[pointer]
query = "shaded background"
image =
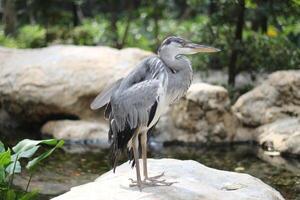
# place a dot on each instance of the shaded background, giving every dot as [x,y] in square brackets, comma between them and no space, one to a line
[257,37]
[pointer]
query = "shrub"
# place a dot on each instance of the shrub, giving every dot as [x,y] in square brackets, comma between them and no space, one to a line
[89,33]
[31,36]
[10,165]
[7,41]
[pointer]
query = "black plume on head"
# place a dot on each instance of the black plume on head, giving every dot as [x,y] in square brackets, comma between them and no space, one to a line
[170,39]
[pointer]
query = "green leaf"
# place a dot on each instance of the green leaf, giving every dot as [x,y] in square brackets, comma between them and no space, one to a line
[28,153]
[2,174]
[2,148]
[33,163]
[10,168]
[29,196]
[5,158]
[27,144]
[10,195]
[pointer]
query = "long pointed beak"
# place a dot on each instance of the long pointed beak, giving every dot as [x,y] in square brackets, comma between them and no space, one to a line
[201,48]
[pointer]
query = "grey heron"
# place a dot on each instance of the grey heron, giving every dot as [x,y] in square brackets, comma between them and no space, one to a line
[135,103]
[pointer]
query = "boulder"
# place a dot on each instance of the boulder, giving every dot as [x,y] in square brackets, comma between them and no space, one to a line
[193,181]
[270,112]
[203,115]
[59,81]
[282,135]
[78,131]
[278,97]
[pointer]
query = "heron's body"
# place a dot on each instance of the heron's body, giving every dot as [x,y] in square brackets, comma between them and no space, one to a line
[142,97]
[136,102]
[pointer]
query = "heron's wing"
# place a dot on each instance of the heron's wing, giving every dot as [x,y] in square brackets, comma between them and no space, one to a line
[136,102]
[138,92]
[104,97]
[137,105]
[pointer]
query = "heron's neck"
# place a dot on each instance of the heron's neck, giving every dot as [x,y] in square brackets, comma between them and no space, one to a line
[180,75]
[176,63]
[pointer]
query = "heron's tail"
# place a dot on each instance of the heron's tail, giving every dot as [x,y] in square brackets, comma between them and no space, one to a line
[119,140]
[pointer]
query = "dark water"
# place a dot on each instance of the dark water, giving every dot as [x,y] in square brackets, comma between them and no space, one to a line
[79,164]
[282,174]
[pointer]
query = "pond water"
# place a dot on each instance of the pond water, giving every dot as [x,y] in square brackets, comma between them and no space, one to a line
[79,164]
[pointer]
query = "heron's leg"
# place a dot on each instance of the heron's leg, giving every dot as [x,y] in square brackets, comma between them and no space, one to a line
[148,181]
[144,157]
[135,148]
[144,153]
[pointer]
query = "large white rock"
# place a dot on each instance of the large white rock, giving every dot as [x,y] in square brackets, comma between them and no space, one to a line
[57,81]
[194,181]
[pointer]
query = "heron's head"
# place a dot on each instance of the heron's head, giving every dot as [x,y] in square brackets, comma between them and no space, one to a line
[173,46]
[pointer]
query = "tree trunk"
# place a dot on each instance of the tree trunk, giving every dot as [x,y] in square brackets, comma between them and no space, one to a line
[156,31]
[9,17]
[129,19]
[77,14]
[237,42]
[156,14]
[30,12]
[212,8]
[113,24]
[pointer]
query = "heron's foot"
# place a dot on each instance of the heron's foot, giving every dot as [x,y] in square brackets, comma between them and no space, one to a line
[151,182]
[155,177]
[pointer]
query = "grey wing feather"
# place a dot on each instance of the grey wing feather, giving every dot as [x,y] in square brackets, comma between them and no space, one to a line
[138,92]
[104,97]
[134,105]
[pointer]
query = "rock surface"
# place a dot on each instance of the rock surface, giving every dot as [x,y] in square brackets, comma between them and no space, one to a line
[270,112]
[203,115]
[78,131]
[282,135]
[59,81]
[277,98]
[194,182]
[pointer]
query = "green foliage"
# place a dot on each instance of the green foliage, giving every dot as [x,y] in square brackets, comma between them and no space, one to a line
[270,34]
[269,53]
[31,36]
[7,41]
[89,33]
[10,165]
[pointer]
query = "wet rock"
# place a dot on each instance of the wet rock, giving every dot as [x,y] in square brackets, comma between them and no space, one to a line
[194,181]
[203,115]
[282,135]
[59,81]
[277,98]
[78,131]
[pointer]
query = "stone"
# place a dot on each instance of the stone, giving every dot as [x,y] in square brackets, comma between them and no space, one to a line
[203,115]
[194,181]
[60,81]
[269,113]
[282,135]
[276,98]
[89,132]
